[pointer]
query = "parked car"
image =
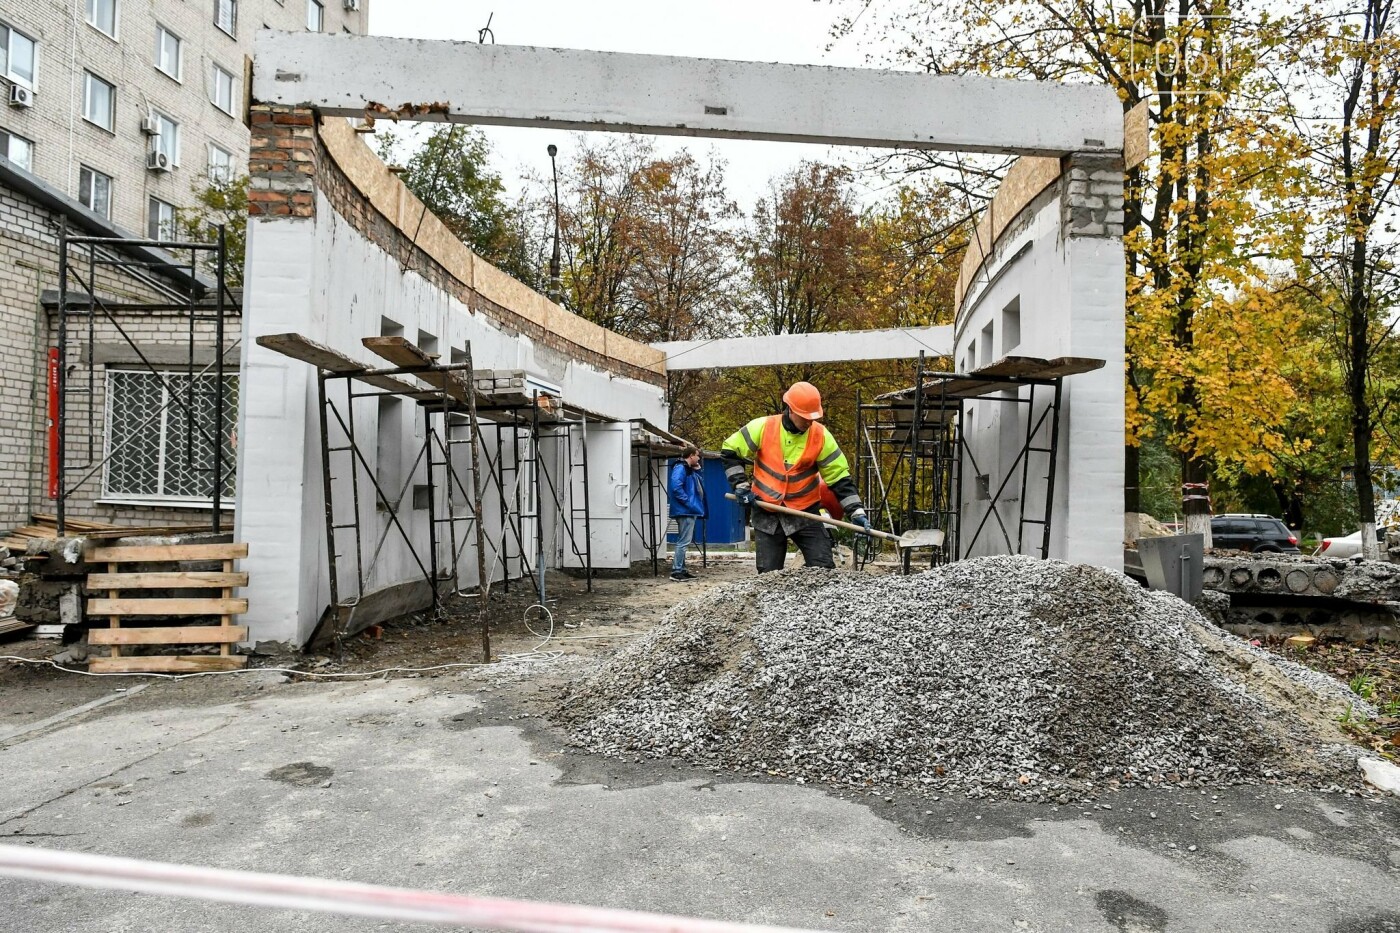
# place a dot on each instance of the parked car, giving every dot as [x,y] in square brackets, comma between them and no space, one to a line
[1348,545]
[1258,533]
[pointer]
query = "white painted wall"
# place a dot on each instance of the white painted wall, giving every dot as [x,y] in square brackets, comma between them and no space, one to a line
[901,343]
[1070,294]
[321,278]
[506,85]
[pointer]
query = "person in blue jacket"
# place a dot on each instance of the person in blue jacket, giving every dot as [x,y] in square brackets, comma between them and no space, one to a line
[687,504]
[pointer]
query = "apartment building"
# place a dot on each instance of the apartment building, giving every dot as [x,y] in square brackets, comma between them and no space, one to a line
[113,114]
[128,105]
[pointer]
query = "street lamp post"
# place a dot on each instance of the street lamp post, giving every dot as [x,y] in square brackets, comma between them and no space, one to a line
[556,289]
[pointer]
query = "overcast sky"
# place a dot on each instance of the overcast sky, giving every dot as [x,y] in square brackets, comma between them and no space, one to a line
[793,31]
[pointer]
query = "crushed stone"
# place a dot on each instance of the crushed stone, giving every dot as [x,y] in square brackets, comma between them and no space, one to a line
[997,677]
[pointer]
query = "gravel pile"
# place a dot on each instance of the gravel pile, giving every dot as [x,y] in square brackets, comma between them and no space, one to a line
[997,677]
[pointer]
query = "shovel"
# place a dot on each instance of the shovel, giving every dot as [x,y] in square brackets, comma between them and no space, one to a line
[922,537]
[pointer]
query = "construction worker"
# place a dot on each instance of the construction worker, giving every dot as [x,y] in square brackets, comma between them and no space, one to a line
[792,454]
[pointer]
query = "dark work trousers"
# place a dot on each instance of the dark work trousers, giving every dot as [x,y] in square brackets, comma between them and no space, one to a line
[771,540]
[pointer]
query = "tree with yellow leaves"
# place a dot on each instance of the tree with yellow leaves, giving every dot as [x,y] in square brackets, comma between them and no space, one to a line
[1201,214]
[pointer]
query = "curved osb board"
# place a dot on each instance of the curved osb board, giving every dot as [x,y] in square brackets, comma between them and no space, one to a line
[1029,175]
[387,193]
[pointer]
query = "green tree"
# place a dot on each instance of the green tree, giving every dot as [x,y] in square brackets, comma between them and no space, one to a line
[219,203]
[451,174]
[1348,66]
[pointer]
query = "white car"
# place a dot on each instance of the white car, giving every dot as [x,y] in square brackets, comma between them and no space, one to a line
[1347,545]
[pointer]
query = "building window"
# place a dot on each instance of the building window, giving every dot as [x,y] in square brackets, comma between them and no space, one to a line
[18,150]
[168,53]
[220,165]
[155,449]
[99,101]
[95,191]
[167,138]
[222,91]
[315,15]
[102,15]
[226,15]
[18,56]
[160,220]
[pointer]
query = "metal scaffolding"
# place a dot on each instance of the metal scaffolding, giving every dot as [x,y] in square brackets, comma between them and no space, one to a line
[652,446]
[178,273]
[536,468]
[914,455]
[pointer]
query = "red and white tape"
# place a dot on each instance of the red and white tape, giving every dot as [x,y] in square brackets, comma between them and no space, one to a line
[346,898]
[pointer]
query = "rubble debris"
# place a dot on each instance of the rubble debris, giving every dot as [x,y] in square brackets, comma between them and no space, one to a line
[965,678]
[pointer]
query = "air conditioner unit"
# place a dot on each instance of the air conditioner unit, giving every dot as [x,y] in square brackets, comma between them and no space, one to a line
[158,162]
[21,96]
[150,125]
[352,5]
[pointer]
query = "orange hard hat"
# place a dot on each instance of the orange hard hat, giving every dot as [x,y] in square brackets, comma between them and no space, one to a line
[804,399]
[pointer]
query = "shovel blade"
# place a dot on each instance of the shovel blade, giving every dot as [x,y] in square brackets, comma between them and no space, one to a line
[922,537]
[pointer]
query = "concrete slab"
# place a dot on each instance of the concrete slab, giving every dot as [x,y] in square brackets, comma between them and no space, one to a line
[456,784]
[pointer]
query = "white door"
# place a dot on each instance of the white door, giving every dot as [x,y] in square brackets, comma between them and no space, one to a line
[608,525]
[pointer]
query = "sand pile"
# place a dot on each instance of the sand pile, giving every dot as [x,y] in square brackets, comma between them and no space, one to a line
[995,677]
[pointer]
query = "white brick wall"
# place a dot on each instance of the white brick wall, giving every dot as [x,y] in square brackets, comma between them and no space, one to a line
[64,141]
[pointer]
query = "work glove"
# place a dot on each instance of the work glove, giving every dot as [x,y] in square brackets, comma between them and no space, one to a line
[859,518]
[745,494]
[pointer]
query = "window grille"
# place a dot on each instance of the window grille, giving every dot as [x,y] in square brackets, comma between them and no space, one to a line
[152,453]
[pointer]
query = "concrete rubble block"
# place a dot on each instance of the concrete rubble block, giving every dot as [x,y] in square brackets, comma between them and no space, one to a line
[1382,774]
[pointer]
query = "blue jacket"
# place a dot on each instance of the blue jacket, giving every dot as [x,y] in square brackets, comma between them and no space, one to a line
[686,491]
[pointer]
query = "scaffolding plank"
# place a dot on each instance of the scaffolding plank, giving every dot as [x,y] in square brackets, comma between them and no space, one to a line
[170,635]
[167,664]
[1031,367]
[398,351]
[323,357]
[166,607]
[171,552]
[176,580]
[993,377]
[309,351]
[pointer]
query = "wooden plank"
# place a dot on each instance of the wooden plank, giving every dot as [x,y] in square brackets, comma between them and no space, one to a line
[166,607]
[170,635]
[158,531]
[309,351]
[168,552]
[16,544]
[166,664]
[43,518]
[399,352]
[323,357]
[113,622]
[174,580]
[11,624]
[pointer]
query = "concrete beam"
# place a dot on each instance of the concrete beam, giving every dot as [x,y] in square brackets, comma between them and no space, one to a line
[839,347]
[467,82]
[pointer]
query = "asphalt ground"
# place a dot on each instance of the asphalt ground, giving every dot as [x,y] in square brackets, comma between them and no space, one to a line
[458,783]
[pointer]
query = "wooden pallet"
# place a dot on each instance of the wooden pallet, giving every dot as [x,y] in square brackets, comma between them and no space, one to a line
[124,576]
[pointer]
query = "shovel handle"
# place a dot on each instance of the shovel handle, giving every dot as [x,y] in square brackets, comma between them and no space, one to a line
[835,523]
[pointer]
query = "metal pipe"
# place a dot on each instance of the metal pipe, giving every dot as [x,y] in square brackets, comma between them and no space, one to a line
[432,507]
[587,511]
[326,492]
[483,583]
[219,380]
[60,447]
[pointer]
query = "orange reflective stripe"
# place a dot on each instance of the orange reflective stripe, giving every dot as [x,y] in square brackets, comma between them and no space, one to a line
[796,486]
